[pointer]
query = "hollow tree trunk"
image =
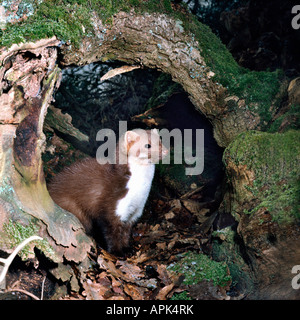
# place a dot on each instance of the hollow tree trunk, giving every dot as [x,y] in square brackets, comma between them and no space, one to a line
[28,76]
[161,42]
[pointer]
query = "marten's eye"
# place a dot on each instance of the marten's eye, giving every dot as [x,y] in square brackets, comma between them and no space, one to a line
[148,146]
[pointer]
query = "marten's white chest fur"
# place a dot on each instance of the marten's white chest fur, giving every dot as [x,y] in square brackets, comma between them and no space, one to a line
[130,208]
[109,198]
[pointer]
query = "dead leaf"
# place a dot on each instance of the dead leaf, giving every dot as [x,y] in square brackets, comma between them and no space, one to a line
[147,283]
[163,274]
[115,282]
[155,228]
[151,117]
[119,291]
[114,271]
[170,215]
[139,258]
[171,244]
[194,206]
[112,73]
[192,241]
[117,286]
[95,291]
[108,265]
[102,263]
[208,222]
[175,204]
[161,246]
[132,272]
[103,279]
[164,291]
[201,215]
[135,292]
[106,255]
[117,298]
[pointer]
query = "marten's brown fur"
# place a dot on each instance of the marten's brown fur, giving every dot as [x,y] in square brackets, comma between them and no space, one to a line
[92,191]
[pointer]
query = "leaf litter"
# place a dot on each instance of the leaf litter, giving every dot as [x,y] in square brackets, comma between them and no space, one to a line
[180,225]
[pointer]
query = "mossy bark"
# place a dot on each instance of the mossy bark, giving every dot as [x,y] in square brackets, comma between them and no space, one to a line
[263,169]
[33,75]
[157,34]
[161,41]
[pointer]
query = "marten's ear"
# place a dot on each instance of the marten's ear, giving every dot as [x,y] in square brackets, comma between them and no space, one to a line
[130,138]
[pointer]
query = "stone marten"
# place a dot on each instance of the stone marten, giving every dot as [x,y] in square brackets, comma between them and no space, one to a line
[109,198]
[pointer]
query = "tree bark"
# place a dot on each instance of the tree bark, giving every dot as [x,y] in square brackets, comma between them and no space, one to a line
[159,41]
[29,76]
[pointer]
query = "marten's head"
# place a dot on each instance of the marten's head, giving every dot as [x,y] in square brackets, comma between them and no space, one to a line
[144,147]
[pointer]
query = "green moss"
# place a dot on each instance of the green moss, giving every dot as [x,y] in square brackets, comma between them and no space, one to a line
[64,19]
[275,161]
[70,21]
[198,267]
[292,116]
[181,296]
[14,233]
[257,88]
[225,248]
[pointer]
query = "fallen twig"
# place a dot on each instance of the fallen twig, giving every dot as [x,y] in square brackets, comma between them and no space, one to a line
[25,292]
[7,262]
[43,284]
